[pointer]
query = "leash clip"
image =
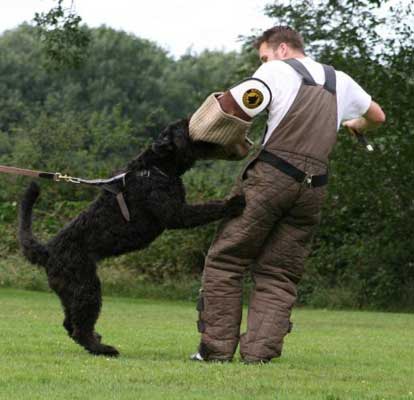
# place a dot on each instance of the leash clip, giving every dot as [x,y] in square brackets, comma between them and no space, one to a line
[66,178]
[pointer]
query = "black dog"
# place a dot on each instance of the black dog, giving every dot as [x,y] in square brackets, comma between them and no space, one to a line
[155,198]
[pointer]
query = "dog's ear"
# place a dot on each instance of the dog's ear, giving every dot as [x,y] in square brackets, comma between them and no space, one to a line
[163,145]
[181,124]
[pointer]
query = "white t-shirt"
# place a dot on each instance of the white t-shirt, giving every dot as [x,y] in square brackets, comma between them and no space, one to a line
[284,83]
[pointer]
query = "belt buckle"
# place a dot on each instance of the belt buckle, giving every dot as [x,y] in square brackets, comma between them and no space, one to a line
[308,180]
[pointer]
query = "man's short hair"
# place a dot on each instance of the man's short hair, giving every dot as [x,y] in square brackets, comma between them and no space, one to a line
[281,34]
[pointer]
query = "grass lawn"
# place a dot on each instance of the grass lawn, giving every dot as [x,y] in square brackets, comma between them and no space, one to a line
[330,355]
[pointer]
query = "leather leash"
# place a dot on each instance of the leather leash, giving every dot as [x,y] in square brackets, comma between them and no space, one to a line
[111,185]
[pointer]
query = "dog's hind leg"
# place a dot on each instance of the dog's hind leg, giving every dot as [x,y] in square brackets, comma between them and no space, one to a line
[59,283]
[84,312]
[67,322]
[66,298]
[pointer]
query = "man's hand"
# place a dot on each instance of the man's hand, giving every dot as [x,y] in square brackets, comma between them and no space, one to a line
[357,125]
[233,152]
[373,118]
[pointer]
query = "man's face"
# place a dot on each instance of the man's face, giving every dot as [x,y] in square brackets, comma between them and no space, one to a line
[268,53]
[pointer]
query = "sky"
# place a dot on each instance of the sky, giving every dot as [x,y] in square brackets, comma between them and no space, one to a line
[176,25]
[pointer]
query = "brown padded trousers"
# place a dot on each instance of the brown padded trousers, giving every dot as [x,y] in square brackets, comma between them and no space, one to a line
[272,237]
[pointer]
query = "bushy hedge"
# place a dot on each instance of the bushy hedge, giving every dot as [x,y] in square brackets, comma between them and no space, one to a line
[91,121]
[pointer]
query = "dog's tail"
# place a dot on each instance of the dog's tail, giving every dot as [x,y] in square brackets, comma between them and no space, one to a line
[34,251]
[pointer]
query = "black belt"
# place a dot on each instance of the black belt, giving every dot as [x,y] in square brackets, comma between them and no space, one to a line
[291,170]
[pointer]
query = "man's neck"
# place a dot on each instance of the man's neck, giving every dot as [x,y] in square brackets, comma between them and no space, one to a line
[295,55]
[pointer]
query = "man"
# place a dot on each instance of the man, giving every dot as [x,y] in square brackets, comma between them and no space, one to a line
[284,185]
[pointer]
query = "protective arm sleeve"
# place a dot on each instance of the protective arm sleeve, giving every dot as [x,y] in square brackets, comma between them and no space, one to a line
[225,118]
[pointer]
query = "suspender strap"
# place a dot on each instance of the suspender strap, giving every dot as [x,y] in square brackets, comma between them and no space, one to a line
[292,171]
[301,70]
[330,76]
[330,79]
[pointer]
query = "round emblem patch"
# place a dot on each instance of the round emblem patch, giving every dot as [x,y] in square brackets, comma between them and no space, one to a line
[252,98]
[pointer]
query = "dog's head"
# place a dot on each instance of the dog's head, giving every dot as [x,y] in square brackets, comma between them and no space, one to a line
[174,144]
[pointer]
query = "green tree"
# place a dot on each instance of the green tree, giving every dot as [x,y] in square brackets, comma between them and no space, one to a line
[64,40]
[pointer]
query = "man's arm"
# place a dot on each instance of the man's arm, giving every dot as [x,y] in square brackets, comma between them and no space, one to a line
[373,118]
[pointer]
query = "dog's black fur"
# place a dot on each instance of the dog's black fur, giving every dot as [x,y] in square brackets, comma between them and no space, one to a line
[155,202]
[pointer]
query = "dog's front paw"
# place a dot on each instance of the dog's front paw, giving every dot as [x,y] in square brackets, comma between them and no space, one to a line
[235,205]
